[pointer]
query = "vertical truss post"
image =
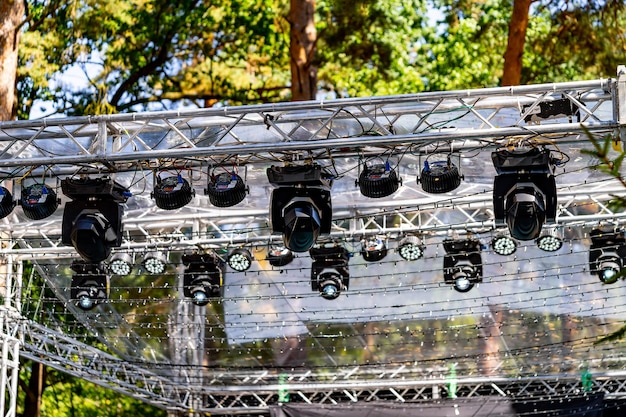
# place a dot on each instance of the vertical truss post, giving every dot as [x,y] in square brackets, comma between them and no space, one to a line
[9,334]
[620,103]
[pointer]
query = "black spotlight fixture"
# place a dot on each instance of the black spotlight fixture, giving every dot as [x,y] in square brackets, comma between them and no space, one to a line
[607,254]
[121,264]
[373,248]
[504,245]
[7,204]
[203,277]
[38,201]
[410,248]
[549,243]
[239,259]
[524,191]
[300,206]
[155,262]
[439,177]
[462,264]
[92,222]
[378,180]
[90,284]
[279,255]
[225,189]
[329,271]
[171,192]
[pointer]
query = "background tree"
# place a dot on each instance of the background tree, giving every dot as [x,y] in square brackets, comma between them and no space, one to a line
[11,15]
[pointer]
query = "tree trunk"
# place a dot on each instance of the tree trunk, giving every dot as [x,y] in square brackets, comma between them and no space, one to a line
[34,391]
[515,46]
[302,49]
[11,15]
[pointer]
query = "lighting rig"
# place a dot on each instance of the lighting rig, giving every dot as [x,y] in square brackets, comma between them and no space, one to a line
[607,254]
[279,255]
[6,202]
[329,271]
[462,264]
[524,191]
[203,277]
[374,248]
[171,192]
[239,259]
[155,262]
[225,189]
[90,284]
[38,201]
[378,180]
[300,205]
[410,248]
[440,176]
[92,222]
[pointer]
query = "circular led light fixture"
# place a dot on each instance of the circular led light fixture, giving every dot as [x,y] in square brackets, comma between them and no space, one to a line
[121,264]
[463,276]
[154,263]
[439,177]
[378,181]
[330,286]
[226,189]
[609,267]
[279,256]
[373,248]
[410,248]
[549,243]
[504,245]
[38,201]
[6,202]
[240,259]
[172,192]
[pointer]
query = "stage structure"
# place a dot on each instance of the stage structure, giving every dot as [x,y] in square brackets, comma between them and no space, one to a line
[402,248]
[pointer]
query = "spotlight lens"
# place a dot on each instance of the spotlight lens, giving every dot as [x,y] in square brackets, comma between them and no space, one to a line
[86,303]
[200,298]
[504,245]
[411,252]
[526,214]
[154,266]
[608,269]
[329,289]
[89,237]
[302,226]
[239,262]
[120,267]
[549,243]
[463,284]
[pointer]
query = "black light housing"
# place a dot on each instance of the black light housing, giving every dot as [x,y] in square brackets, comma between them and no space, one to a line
[549,243]
[240,259]
[172,192]
[373,248]
[226,189]
[379,180]
[7,204]
[203,277]
[38,201]
[462,264]
[300,207]
[607,254]
[440,176]
[504,245]
[329,271]
[524,191]
[279,255]
[92,222]
[410,248]
[90,285]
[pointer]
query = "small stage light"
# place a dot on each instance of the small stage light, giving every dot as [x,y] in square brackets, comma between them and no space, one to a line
[155,262]
[202,278]
[279,255]
[239,259]
[329,271]
[379,180]
[411,248]
[7,204]
[440,176]
[524,191]
[462,264]
[226,189]
[549,243]
[90,285]
[121,264]
[92,222]
[373,248]
[504,245]
[38,201]
[300,207]
[607,254]
[171,192]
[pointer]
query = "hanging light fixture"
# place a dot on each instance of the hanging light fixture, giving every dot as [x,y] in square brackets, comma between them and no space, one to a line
[374,248]
[411,248]
[379,180]
[440,176]
[524,191]
[90,285]
[300,207]
[329,271]
[607,254]
[279,255]
[504,245]
[7,204]
[203,277]
[171,192]
[39,201]
[155,262]
[240,259]
[121,264]
[226,189]
[462,264]
[549,243]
